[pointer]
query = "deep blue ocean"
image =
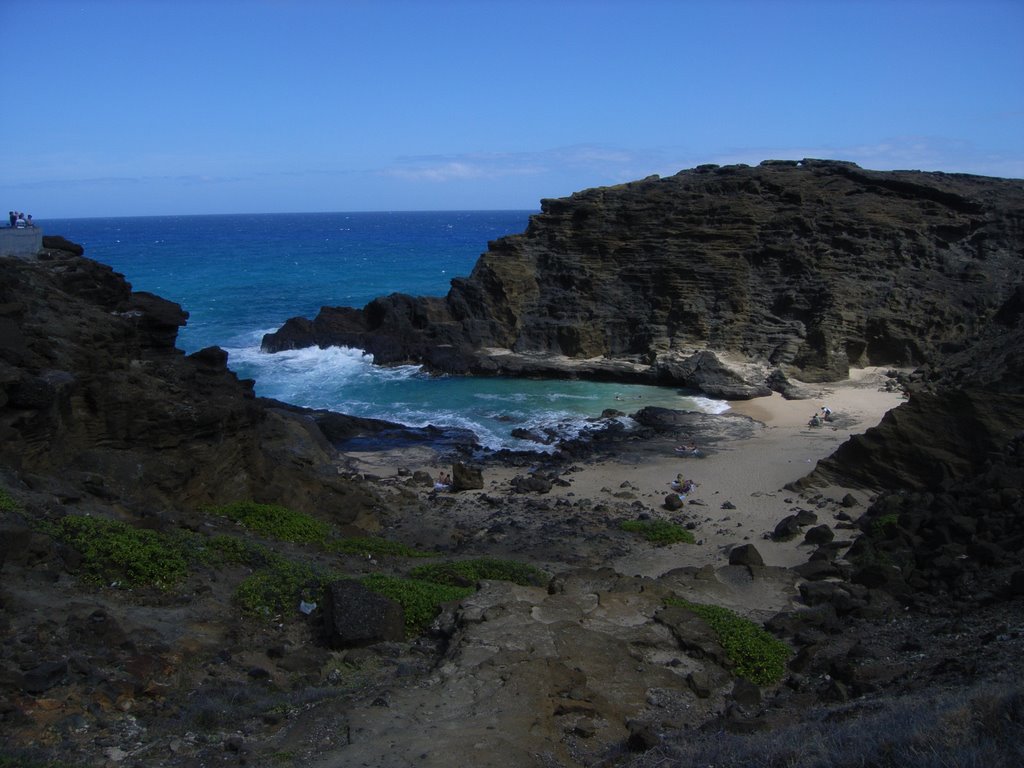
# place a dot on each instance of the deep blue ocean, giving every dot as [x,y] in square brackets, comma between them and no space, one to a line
[241,276]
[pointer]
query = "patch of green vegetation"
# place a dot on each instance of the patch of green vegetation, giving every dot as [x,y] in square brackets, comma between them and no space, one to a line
[7,504]
[280,586]
[421,600]
[276,522]
[231,550]
[757,655]
[461,573]
[883,526]
[376,547]
[660,532]
[115,553]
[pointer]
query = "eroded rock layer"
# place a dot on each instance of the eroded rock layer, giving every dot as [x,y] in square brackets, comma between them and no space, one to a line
[96,401]
[794,268]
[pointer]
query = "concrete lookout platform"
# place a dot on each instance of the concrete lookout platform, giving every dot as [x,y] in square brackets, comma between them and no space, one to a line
[21,242]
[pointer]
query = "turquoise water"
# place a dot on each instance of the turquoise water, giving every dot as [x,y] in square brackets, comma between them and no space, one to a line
[241,276]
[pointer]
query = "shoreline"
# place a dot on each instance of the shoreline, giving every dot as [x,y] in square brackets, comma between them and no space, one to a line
[748,473]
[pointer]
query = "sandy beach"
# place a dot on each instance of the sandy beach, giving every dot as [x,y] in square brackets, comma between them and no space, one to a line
[747,476]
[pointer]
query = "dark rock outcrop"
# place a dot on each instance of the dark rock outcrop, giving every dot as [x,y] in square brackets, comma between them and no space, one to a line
[96,398]
[728,279]
[962,412]
[745,554]
[355,616]
[466,478]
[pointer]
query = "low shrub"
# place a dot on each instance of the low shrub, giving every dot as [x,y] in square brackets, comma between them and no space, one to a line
[883,526]
[280,586]
[117,554]
[466,572]
[275,522]
[223,549]
[7,504]
[660,532]
[375,547]
[937,728]
[421,600]
[757,655]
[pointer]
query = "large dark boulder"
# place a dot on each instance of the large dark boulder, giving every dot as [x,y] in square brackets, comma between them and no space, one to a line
[704,371]
[58,243]
[745,554]
[354,616]
[466,478]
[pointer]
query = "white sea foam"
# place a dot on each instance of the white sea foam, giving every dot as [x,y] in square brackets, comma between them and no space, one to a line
[707,405]
[346,380]
[346,259]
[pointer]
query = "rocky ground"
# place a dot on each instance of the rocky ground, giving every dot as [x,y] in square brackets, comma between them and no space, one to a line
[890,568]
[589,669]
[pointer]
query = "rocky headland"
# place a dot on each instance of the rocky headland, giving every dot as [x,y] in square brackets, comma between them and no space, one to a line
[194,576]
[729,279]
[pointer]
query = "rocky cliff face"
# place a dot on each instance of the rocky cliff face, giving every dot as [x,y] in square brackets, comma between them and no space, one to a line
[100,414]
[96,402]
[799,268]
[963,411]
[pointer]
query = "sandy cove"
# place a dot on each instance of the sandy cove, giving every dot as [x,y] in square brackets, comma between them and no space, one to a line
[750,474]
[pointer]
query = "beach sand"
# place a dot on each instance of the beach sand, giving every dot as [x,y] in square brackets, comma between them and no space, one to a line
[750,474]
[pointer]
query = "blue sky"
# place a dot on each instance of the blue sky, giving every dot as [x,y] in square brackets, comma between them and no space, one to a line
[177,107]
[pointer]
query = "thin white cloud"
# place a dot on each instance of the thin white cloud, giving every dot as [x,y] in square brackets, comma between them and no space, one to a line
[447,168]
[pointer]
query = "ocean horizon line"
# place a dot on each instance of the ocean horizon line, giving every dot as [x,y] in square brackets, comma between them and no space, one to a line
[397,211]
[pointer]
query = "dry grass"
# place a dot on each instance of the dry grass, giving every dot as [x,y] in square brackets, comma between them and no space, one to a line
[979,728]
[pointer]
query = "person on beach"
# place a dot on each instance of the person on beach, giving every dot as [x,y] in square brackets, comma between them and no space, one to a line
[826,413]
[19,222]
[683,487]
[815,421]
[13,217]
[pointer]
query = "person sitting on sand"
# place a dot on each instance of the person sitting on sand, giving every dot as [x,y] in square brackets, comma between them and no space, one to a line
[815,421]
[688,449]
[444,482]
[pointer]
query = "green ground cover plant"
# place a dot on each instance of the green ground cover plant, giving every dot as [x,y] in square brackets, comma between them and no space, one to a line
[883,525]
[757,655]
[660,532]
[467,572]
[275,522]
[222,549]
[7,504]
[375,547]
[421,600]
[280,586]
[117,554]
